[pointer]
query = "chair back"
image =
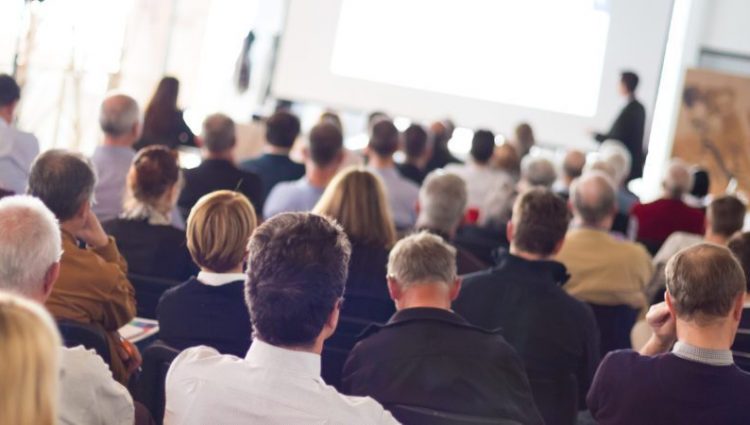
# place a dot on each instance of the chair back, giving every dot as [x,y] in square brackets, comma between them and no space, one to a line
[413,415]
[150,390]
[615,323]
[556,398]
[89,335]
[148,291]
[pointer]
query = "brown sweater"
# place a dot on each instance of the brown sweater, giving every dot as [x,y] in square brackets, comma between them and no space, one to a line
[93,288]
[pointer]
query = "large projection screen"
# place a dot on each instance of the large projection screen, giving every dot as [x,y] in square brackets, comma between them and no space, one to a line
[483,63]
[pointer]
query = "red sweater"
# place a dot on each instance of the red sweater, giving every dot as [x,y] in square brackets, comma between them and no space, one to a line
[659,219]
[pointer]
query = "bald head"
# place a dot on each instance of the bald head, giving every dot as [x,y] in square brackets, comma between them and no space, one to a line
[573,164]
[593,199]
[678,180]
[119,118]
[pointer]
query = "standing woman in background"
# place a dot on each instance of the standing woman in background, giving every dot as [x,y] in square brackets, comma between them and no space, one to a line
[29,363]
[163,123]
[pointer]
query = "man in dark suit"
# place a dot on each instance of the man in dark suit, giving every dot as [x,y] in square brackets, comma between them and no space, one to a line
[217,171]
[630,125]
[426,355]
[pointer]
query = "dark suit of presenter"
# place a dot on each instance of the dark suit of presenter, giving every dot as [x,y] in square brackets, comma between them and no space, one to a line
[628,129]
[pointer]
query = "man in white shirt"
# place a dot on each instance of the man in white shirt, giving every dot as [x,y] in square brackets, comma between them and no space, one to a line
[17,149]
[30,249]
[296,275]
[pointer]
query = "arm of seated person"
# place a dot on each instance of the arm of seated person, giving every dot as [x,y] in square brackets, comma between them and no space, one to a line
[664,330]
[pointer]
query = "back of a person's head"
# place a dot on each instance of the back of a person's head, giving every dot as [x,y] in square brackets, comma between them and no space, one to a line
[383,138]
[297,269]
[618,156]
[593,197]
[30,363]
[740,247]
[118,115]
[325,144]
[159,116]
[282,129]
[10,92]
[704,282]
[63,181]
[422,258]
[678,180]
[524,138]
[155,170]
[442,201]
[540,221]
[415,141]
[726,215]
[701,183]
[482,146]
[506,158]
[573,163]
[442,132]
[218,133]
[30,244]
[332,117]
[375,116]
[356,199]
[630,80]
[218,228]
[538,171]
[604,167]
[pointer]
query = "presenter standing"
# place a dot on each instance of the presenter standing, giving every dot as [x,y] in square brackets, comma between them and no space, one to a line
[629,126]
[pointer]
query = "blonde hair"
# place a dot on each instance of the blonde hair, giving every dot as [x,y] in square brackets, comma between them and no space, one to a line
[218,230]
[30,364]
[356,199]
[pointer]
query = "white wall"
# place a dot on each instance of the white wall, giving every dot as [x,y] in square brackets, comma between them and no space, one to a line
[728,26]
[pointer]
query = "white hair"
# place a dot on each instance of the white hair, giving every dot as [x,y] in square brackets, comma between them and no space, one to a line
[678,180]
[538,171]
[618,156]
[30,243]
[422,258]
[118,114]
[442,201]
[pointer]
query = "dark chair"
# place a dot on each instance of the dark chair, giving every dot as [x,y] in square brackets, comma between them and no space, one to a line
[151,385]
[338,346]
[413,415]
[615,323]
[89,335]
[556,398]
[148,291]
[651,246]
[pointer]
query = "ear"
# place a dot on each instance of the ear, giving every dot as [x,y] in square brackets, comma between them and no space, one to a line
[417,207]
[739,305]
[53,272]
[393,289]
[509,230]
[333,320]
[84,210]
[670,305]
[455,289]
[305,153]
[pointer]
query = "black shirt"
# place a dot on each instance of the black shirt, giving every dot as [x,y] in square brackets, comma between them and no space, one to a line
[481,241]
[411,172]
[366,295]
[629,128]
[273,169]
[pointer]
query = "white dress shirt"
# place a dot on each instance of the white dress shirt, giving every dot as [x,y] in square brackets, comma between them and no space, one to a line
[17,152]
[270,386]
[89,395]
[219,279]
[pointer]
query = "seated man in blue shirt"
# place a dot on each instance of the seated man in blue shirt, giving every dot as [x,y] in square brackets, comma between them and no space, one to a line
[697,382]
[17,148]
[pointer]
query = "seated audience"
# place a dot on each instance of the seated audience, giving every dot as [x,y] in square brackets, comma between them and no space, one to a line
[740,247]
[418,150]
[119,120]
[30,373]
[350,158]
[700,193]
[17,148]
[572,168]
[93,286]
[604,270]
[618,157]
[442,201]
[523,139]
[506,159]
[356,199]
[442,132]
[296,277]
[163,123]
[622,226]
[659,219]
[696,382]
[430,357]
[482,180]
[536,171]
[402,193]
[217,171]
[555,334]
[210,309]
[275,166]
[485,237]
[323,155]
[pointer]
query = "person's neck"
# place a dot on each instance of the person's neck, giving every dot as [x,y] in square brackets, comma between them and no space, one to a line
[719,336]
[319,177]
[70,226]
[712,237]
[236,269]
[123,142]
[427,294]
[6,116]
[526,255]
[602,226]
[224,156]
[315,348]
[381,162]
[416,162]
[422,224]
[276,150]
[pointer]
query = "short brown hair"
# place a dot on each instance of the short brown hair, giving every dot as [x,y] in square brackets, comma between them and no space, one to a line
[703,282]
[540,220]
[325,143]
[726,215]
[155,170]
[740,247]
[384,138]
[218,229]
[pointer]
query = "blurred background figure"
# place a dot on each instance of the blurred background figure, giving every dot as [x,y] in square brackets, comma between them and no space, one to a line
[163,123]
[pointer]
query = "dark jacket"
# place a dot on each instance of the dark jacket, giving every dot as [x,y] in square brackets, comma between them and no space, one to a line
[411,172]
[433,358]
[273,169]
[553,332]
[196,314]
[628,129]
[481,241]
[366,295]
[178,134]
[218,174]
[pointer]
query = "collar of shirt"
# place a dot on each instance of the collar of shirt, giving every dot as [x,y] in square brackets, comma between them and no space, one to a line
[707,356]
[557,270]
[269,356]
[219,279]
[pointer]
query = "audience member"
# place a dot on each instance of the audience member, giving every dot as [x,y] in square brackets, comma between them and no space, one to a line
[323,155]
[350,158]
[442,132]
[402,193]
[442,201]
[163,123]
[296,275]
[697,382]
[484,238]
[555,334]
[617,156]
[659,219]
[536,171]
[506,159]
[622,226]
[17,148]
[30,373]
[120,122]
[217,171]
[210,309]
[430,357]
[700,194]
[418,150]
[356,199]
[740,247]
[30,250]
[523,139]
[275,166]
[604,270]
[93,286]
[144,235]
[572,168]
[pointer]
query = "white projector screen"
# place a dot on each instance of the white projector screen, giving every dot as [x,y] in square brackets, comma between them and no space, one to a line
[484,63]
